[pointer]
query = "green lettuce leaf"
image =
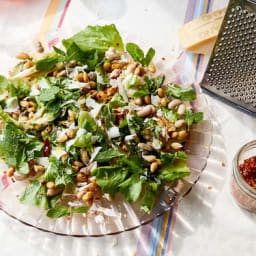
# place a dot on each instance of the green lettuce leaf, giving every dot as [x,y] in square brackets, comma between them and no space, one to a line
[86,122]
[149,197]
[106,156]
[110,177]
[49,63]
[131,188]
[117,101]
[174,171]
[97,37]
[3,84]
[16,147]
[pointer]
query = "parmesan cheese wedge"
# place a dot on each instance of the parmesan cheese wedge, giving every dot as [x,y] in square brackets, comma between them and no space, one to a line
[199,35]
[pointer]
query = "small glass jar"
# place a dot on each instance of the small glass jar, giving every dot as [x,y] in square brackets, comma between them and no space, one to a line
[243,193]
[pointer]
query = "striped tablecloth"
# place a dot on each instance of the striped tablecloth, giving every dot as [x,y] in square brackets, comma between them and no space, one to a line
[47,19]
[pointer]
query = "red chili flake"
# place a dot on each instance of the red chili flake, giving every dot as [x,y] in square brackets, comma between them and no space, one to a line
[223,164]
[209,187]
[5,172]
[248,171]
[47,148]
[117,44]
[96,212]
[97,198]
[43,182]
[74,197]
[163,58]
[68,218]
[102,121]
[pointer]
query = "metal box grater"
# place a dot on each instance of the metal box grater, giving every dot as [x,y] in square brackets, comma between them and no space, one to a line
[231,71]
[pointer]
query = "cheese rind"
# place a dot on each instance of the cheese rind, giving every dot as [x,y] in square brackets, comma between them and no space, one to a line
[199,35]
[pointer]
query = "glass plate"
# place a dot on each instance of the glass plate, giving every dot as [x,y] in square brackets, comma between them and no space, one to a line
[106,218]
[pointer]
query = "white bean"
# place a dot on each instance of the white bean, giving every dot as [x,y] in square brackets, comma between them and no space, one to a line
[174,103]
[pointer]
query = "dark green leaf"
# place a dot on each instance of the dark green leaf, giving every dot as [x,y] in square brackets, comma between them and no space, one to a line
[149,56]
[53,201]
[59,51]
[35,195]
[136,123]
[58,212]
[198,117]
[81,209]
[140,93]
[135,51]
[106,156]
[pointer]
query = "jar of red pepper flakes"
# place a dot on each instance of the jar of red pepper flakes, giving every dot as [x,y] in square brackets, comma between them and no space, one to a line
[243,181]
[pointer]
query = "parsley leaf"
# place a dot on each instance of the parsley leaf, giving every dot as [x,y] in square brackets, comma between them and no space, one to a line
[138,55]
[81,209]
[117,101]
[149,56]
[35,195]
[48,94]
[58,212]
[193,118]
[184,94]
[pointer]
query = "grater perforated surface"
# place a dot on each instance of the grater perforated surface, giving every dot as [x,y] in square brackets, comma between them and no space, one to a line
[231,71]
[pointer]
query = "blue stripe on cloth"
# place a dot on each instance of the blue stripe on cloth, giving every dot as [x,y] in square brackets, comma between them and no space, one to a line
[167,232]
[155,236]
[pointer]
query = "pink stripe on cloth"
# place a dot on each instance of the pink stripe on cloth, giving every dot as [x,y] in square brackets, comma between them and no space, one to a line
[53,42]
[5,181]
[64,13]
[190,10]
[142,246]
